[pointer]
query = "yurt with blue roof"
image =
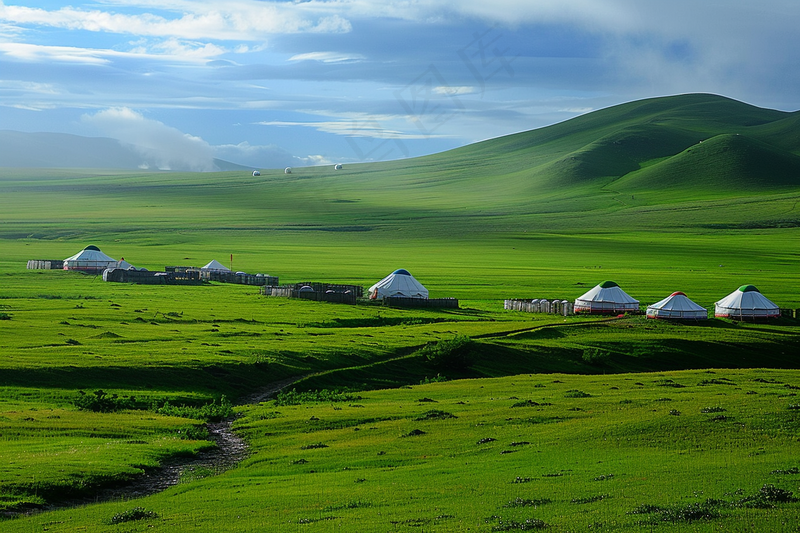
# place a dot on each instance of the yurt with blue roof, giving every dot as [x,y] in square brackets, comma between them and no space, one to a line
[399,283]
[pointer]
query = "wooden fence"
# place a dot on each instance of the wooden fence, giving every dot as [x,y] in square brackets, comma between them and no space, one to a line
[45,264]
[238,277]
[318,292]
[323,287]
[442,303]
[146,277]
[555,307]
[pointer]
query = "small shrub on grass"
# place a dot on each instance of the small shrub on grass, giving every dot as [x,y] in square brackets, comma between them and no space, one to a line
[438,378]
[766,498]
[5,316]
[590,499]
[435,414]
[690,513]
[486,440]
[519,479]
[293,397]
[414,433]
[596,356]
[680,513]
[211,412]
[721,381]
[137,513]
[574,393]
[794,406]
[512,525]
[526,403]
[786,472]
[522,502]
[316,446]
[665,382]
[193,433]
[707,410]
[355,504]
[449,354]
[101,402]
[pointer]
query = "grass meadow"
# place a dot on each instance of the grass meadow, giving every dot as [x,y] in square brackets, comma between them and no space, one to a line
[523,420]
[677,451]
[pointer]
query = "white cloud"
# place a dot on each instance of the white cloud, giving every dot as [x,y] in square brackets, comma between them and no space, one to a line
[357,125]
[242,20]
[453,91]
[257,156]
[67,54]
[171,50]
[177,48]
[327,57]
[161,146]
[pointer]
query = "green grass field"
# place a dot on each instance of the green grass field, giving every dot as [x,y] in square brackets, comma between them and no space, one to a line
[628,194]
[680,451]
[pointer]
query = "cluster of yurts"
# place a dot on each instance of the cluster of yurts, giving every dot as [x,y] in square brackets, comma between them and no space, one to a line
[746,302]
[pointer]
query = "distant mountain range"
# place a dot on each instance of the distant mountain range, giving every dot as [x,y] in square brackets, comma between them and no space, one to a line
[61,150]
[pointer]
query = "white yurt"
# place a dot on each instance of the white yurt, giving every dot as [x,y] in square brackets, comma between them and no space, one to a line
[215,266]
[124,265]
[746,302]
[90,259]
[398,283]
[677,306]
[606,298]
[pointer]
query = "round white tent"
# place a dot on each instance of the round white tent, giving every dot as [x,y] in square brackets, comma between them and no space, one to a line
[677,306]
[90,259]
[746,302]
[399,283]
[606,298]
[215,266]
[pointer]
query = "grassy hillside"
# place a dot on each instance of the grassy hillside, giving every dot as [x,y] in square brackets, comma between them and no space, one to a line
[682,451]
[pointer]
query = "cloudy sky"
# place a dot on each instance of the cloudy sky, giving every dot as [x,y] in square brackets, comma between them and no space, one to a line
[270,83]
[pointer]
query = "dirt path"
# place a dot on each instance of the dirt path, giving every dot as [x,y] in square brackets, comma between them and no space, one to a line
[230,449]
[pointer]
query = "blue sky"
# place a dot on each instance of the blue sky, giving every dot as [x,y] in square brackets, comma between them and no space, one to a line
[274,83]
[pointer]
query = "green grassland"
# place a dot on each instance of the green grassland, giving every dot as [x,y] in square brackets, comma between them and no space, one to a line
[629,193]
[680,451]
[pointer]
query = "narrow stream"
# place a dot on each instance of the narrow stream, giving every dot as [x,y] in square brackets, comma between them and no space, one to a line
[230,449]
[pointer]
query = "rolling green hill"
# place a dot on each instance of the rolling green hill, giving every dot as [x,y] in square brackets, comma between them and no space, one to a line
[729,163]
[600,147]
